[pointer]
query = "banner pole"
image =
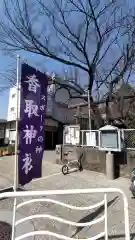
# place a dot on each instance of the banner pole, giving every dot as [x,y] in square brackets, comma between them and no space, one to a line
[17,121]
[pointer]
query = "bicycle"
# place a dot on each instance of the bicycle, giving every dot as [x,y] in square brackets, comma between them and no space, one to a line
[67,167]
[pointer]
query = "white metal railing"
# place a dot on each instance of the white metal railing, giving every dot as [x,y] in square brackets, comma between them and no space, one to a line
[45,194]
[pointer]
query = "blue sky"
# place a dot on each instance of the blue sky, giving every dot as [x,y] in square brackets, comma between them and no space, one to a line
[41,63]
[7,63]
[4,61]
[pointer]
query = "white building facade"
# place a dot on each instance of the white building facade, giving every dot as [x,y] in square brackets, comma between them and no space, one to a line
[57,110]
[56,95]
[12,104]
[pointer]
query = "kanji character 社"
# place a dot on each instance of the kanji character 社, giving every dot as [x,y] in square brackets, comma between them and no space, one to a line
[27,163]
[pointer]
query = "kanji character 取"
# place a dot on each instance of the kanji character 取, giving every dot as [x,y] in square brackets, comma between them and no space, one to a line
[31,108]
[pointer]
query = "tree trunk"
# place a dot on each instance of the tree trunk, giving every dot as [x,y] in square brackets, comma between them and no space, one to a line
[94,108]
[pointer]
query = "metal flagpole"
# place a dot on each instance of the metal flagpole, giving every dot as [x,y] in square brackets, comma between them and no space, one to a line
[17,121]
[15,186]
[16,145]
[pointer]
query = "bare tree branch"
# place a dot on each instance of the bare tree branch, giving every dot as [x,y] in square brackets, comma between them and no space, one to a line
[92,36]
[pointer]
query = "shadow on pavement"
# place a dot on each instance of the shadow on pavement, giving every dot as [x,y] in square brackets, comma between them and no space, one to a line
[93,215]
[119,236]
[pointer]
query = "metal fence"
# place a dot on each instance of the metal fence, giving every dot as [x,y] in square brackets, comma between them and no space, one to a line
[118,140]
[92,138]
[128,136]
[74,192]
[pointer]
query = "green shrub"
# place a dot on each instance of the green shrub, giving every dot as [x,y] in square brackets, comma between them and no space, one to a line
[11,149]
[2,149]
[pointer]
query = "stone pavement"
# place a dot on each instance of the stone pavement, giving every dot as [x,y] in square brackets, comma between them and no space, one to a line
[85,179]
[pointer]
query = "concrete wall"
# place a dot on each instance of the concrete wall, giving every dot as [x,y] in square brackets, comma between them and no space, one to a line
[91,159]
[128,164]
[95,160]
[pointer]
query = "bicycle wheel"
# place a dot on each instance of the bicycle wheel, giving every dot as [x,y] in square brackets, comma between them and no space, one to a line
[65,169]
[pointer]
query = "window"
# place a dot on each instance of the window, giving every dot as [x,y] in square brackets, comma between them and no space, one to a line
[13,96]
[12,135]
[12,109]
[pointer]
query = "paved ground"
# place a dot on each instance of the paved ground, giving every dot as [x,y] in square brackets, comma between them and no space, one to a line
[85,179]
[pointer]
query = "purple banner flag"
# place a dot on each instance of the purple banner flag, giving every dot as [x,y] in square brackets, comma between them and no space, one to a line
[31,126]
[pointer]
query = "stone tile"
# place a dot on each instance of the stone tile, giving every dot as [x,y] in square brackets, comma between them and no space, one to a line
[81,180]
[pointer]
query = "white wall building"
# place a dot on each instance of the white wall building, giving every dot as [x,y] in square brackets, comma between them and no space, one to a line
[57,110]
[12,104]
[56,95]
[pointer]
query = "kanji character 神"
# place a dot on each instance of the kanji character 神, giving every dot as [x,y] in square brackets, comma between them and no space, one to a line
[27,163]
[33,83]
[39,149]
[30,134]
[31,108]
